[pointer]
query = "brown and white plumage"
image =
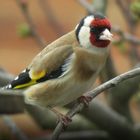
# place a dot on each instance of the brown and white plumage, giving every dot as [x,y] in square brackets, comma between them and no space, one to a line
[68,67]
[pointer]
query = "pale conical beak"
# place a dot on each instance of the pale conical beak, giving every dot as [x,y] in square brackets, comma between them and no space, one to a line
[106,35]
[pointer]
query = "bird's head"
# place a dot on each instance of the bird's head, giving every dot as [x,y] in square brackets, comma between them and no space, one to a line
[94,31]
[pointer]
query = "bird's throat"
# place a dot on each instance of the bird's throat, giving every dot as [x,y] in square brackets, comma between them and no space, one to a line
[99,43]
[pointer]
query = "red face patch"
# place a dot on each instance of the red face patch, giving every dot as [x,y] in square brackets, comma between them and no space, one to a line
[101,23]
[97,23]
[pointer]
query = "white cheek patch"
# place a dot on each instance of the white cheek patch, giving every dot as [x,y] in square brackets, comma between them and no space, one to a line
[84,37]
[88,19]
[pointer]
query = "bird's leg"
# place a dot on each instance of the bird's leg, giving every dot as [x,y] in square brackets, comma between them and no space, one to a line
[85,99]
[65,120]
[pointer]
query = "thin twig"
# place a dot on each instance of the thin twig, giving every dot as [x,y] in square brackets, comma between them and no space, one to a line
[123,5]
[80,135]
[14,129]
[126,36]
[133,40]
[96,6]
[125,8]
[5,78]
[109,84]
[50,16]
[87,6]
[24,8]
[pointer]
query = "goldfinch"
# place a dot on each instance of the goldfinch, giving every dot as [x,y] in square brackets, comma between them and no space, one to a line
[68,67]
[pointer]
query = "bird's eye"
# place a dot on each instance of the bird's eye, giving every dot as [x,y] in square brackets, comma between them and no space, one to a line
[100,29]
[97,30]
[93,29]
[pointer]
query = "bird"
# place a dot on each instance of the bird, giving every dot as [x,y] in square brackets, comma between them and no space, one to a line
[68,67]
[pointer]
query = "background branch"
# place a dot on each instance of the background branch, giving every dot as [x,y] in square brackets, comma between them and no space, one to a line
[126,36]
[125,8]
[5,77]
[87,6]
[96,6]
[107,119]
[121,95]
[14,129]
[81,135]
[11,102]
[50,16]
[24,8]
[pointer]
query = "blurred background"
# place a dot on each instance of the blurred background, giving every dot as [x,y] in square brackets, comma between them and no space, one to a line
[26,26]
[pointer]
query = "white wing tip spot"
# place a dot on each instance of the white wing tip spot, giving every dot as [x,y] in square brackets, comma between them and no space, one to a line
[17,78]
[24,71]
[10,86]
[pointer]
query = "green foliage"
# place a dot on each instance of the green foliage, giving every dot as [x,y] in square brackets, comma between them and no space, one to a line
[135,8]
[23,30]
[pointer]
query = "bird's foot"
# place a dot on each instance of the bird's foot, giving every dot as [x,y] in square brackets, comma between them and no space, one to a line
[65,120]
[85,100]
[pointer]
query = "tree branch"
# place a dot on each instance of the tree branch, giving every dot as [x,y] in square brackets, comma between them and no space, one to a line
[123,5]
[11,102]
[126,36]
[24,8]
[87,6]
[125,8]
[14,129]
[97,6]
[109,84]
[5,77]
[109,120]
[80,135]
[46,8]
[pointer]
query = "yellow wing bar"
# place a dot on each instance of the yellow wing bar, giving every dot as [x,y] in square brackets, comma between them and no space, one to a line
[25,85]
